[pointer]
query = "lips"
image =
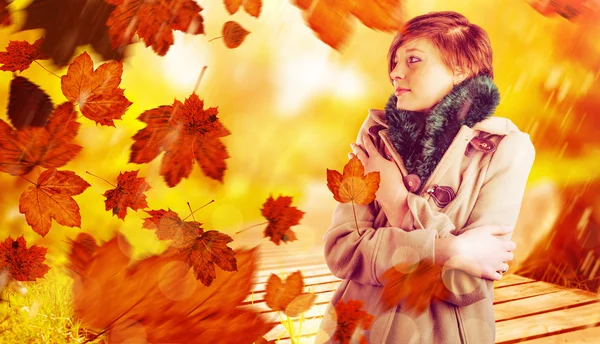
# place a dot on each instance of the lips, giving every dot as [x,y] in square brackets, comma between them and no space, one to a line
[401,90]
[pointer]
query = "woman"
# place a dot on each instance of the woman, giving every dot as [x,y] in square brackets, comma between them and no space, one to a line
[452,181]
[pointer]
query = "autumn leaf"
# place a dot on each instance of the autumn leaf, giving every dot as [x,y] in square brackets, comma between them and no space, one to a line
[416,285]
[287,296]
[572,10]
[185,132]
[153,21]
[200,249]
[159,298]
[128,193]
[96,92]
[68,24]
[331,20]
[22,263]
[252,7]
[82,251]
[281,216]
[51,198]
[28,105]
[351,319]
[19,55]
[4,14]
[233,6]
[353,186]
[50,146]
[233,34]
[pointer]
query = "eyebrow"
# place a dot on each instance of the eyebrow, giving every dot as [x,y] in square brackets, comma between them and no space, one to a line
[409,50]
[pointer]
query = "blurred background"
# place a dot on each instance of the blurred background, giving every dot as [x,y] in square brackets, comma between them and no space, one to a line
[293,105]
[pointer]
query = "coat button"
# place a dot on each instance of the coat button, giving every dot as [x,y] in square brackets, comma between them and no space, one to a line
[483,145]
[442,195]
[412,182]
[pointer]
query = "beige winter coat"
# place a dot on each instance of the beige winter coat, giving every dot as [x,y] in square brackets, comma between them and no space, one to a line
[488,188]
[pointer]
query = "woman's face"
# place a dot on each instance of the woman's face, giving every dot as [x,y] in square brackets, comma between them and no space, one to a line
[420,77]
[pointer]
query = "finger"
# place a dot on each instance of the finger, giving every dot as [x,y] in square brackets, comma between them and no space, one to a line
[501,230]
[359,151]
[368,143]
[351,155]
[509,245]
[509,256]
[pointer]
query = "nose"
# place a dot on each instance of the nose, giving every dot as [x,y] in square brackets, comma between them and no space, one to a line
[398,73]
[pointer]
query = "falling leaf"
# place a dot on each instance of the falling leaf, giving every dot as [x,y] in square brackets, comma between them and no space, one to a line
[233,6]
[185,132]
[199,249]
[287,296]
[253,7]
[300,304]
[19,55]
[281,216]
[28,105]
[331,20]
[50,146]
[353,185]
[161,300]
[69,24]
[128,193]
[572,10]
[82,251]
[4,14]
[51,198]
[96,92]
[153,21]
[22,263]
[233,34]
[350,319]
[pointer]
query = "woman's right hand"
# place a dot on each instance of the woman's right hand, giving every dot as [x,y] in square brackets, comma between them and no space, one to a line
[480,253]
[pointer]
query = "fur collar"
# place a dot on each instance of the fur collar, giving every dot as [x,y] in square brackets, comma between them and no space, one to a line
[422,139]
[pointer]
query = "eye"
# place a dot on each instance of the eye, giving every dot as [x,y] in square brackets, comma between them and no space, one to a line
[413,59]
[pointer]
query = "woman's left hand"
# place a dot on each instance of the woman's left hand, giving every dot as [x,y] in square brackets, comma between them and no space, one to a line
[391,193]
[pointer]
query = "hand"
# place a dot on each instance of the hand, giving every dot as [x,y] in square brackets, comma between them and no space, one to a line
[391,193]
[480,253]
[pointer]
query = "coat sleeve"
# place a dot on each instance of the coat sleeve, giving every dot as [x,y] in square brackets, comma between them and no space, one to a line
[366,257]
[498,203]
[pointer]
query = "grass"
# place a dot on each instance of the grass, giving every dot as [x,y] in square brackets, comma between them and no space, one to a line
[42,312]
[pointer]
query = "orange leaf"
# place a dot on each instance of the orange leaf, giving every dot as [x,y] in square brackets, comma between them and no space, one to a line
[82,251]
[300,304]
[233,34]
[353,185]
[279,294]
[68,24]
[331,20]
[20,55]
[186,132]
[22,263]
[28,105]
[4,14]
[153,21]
[572,10]
[199,249]
[128,193]
[253,7]
[159,299]
[233,6]
[281,216]
[51,199]
[97,92]
[350,319]
[50,146]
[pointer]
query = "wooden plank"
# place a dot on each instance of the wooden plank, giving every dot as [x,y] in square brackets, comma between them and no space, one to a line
[306,271]
[511,279]
[542,303]
[318,288]
[299,262]
[524,290]
[547,323]
[586,335]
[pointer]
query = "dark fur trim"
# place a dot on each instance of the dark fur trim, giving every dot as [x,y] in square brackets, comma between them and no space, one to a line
[421,139]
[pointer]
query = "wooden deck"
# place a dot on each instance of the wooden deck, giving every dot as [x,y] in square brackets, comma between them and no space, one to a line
[526,310]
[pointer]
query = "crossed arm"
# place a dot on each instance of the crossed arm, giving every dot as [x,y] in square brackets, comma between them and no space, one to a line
[365,258]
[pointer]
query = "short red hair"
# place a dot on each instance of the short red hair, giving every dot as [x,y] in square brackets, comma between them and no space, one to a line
[461,43]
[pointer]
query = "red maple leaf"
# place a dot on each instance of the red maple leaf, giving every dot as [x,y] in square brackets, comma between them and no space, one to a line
[22,263]
[153,21]
[82,252]
[97,91]
[185,132]
[350,319]
[51,199]
[4,14]
[128,193]
[200,249]
[281,217]
[20,54]
[29,105]
[50,146]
